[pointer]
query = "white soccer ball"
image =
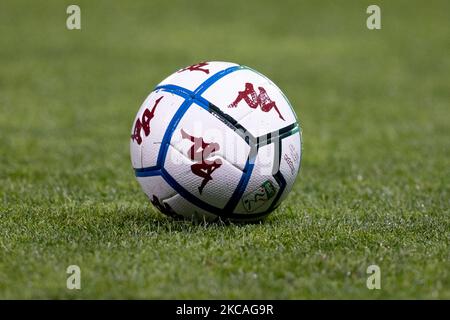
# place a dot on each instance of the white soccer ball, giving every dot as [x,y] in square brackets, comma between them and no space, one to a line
[216,140]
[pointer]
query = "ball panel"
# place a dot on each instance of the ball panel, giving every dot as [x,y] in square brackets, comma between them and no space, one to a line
[253,100]
[192,76]
[135,153]
[150,125]
[290,162]
[212,184]
[199,126]
[224,92]
[156,186]
[262,187]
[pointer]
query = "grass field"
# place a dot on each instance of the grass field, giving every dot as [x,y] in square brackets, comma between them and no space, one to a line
[373,189]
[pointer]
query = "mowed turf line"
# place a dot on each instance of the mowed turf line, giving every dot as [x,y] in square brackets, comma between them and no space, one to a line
[374,184]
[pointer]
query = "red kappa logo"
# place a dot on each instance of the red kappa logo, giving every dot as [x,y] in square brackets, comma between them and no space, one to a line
[196,67]
[164,208]
[199,152]
[144,123]
[254,100]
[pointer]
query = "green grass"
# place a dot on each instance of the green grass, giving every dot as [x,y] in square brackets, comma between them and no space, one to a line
[374,184]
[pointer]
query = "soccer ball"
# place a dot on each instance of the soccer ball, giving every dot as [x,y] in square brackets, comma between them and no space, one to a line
[216,140]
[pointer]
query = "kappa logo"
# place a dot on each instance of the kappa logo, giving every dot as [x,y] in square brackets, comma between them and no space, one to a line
[144,123]
[257,198]
[254,100]
[164,208]
[199,152]
[196,67]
